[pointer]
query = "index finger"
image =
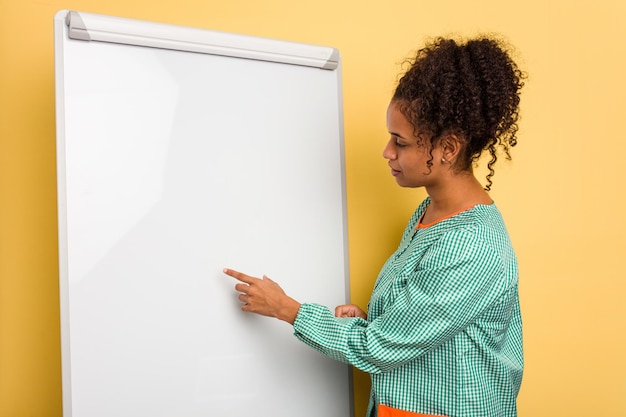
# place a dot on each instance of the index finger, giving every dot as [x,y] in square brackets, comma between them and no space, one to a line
[239,276]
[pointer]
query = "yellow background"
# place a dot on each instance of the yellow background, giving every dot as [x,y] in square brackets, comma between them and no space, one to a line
[562,195]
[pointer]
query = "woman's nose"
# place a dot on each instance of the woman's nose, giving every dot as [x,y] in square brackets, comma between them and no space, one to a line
[390,150]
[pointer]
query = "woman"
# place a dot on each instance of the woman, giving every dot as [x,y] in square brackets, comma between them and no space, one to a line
[442,335]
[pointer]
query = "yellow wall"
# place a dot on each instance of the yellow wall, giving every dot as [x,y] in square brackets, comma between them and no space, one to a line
[562,195]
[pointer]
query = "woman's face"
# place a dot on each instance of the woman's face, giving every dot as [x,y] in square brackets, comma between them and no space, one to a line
[407,155]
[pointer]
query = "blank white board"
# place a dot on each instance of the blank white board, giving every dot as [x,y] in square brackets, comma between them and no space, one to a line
[182,151]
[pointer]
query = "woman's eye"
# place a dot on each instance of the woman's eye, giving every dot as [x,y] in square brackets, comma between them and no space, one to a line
[400,144]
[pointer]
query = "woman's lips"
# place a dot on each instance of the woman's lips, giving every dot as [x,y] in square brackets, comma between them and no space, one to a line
[395,172]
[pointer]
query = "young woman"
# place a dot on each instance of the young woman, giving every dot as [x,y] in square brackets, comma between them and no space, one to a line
[442,334]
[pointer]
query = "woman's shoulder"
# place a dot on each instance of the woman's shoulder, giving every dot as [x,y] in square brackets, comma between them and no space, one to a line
[480,225]
[480,217]
[486,221]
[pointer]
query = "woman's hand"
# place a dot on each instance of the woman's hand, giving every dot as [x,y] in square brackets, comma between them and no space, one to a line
[350,310]
[264,297]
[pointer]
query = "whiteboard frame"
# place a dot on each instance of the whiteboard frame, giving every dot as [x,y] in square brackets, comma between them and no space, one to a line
[92,27]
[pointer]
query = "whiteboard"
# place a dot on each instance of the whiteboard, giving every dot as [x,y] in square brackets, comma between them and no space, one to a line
[182,151]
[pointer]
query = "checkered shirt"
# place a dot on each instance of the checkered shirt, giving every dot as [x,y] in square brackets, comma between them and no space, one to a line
[443,334]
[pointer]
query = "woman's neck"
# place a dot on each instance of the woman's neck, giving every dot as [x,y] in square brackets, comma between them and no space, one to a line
[457,192]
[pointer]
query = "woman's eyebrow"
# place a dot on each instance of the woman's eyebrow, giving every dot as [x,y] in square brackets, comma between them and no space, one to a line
[396,135]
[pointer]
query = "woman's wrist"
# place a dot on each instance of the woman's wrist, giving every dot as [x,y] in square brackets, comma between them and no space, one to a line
[289,311]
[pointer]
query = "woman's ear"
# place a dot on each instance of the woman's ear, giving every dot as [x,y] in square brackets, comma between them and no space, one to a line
[451,147]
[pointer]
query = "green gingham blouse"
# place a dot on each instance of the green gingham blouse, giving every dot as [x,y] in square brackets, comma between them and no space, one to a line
[443,334]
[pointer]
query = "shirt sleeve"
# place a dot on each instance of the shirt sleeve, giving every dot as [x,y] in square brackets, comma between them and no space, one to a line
[430,302]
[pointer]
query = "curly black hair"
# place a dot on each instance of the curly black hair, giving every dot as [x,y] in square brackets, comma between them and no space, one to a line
[470,89]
